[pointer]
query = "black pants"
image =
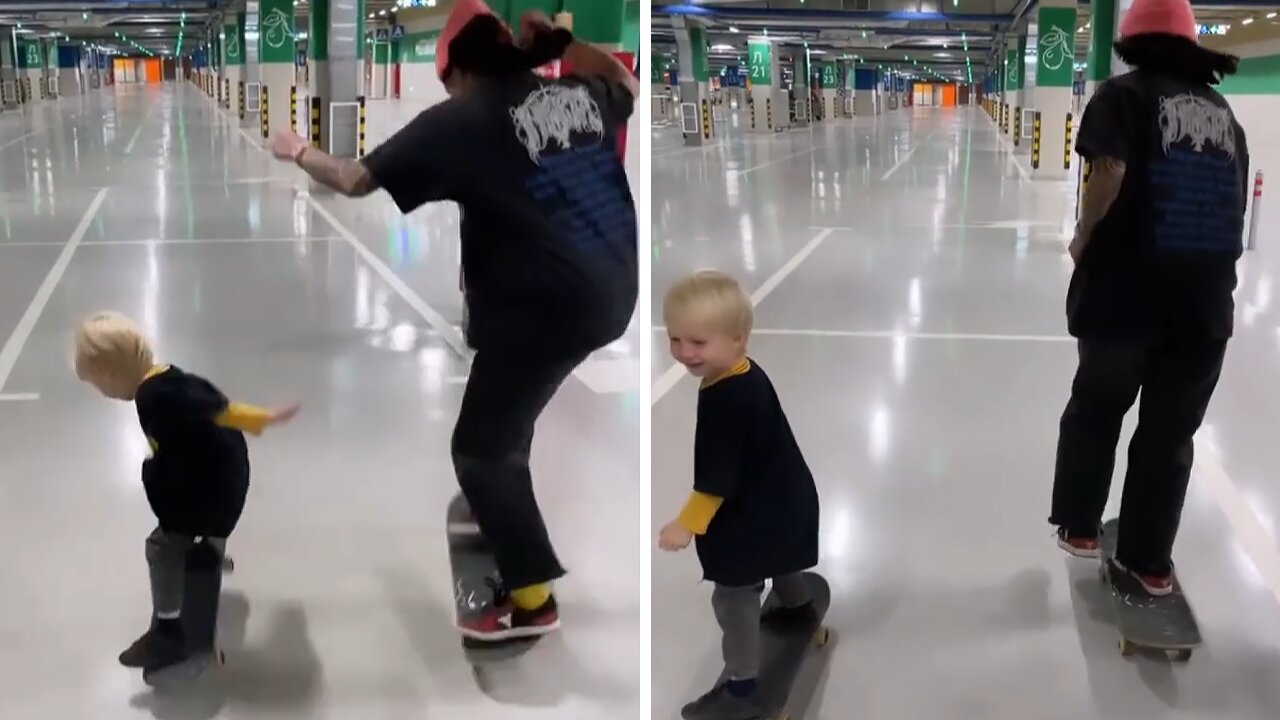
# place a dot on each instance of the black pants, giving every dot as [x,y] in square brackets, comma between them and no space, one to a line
[1177,379]
[509,386]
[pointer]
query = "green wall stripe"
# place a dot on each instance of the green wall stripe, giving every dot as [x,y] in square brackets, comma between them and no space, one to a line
[1257,76]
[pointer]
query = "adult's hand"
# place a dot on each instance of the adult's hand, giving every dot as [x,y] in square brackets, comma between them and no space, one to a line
[288,146]
[532,23]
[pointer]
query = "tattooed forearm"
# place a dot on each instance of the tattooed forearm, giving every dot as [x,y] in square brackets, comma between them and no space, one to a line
[349,177]
[1099,195]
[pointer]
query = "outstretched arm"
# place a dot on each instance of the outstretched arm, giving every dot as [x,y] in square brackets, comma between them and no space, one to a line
[253,419]
[345,175]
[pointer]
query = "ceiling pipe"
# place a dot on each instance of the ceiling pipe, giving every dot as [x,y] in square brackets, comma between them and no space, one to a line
[802,14]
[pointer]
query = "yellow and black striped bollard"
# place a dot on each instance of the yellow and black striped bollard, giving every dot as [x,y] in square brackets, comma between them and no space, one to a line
[293,109]
[1066,145]
[706,120]
[264,113]
[315,122]
[1035,142]
[360,138]
[242,101]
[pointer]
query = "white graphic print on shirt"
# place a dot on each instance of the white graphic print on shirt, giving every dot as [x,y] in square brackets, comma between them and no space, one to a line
[555,113]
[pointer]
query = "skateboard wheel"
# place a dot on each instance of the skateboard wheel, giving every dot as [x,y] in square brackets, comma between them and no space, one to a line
[1182,656]
[1126,648]
[822,636]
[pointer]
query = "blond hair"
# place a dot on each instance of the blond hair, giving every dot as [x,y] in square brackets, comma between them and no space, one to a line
[710,296]
[112,351]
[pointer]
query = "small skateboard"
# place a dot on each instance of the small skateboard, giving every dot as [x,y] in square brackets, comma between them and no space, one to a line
[201,593]
[1145,621]
[475,576]
[783,651]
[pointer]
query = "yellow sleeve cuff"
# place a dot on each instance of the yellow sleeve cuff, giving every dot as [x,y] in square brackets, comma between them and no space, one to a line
[698,511]
[245,418]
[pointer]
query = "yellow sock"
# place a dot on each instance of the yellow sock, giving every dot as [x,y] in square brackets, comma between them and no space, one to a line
[531,597]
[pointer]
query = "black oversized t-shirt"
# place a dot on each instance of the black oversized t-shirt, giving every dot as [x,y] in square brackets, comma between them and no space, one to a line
[1162,261]
[198,474]
[548,220]
[745,452]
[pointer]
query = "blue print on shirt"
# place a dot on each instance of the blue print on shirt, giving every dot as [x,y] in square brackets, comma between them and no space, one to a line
[577,176]
[587,193]
[1196,185]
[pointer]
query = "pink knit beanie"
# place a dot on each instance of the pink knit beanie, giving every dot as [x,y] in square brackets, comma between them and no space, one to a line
[1165,17]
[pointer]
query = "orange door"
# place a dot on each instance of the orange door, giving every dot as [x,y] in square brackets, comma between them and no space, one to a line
[948,95]
[153,70]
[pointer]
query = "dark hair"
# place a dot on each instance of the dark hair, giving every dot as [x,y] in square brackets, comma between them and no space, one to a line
[484,47]
[1176,57]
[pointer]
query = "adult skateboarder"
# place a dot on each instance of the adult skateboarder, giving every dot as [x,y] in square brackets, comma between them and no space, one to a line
[1150,300]
[549,250]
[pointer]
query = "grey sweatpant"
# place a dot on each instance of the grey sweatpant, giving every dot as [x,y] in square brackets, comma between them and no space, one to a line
[167,561]
[738,613]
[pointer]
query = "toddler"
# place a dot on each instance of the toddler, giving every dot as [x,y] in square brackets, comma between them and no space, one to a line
[197,476]
[754,506]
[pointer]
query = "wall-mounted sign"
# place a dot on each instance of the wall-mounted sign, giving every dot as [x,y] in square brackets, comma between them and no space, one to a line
[1214,29]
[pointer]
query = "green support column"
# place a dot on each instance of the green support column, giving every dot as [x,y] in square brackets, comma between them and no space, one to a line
[276,48]
[276,32]
[1055,75]
[1102,34]
[829,77]
[1014,81]
[233,53]
[318,32]
[631,26]
[512,10]
[597,21]
[701,69]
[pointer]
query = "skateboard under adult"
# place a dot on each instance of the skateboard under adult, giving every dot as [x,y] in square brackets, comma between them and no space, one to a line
[783,650]
[201,592]
[475,577]
[1143,620]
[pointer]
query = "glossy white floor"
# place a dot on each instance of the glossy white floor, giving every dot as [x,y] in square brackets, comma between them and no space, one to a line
[910,286]
[151,201]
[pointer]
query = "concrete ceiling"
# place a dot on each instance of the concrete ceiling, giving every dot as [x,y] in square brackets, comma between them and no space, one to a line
[156,25]
[938,34]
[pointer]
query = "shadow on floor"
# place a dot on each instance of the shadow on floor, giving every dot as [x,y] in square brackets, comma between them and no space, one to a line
[282,674]
[540,675]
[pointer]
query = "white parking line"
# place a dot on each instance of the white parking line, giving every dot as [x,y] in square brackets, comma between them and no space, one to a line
[668,379]
[18,338]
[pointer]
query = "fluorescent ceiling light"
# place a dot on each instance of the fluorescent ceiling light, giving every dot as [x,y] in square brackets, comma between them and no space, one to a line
[1248,21]
[1271,16]
[733,29]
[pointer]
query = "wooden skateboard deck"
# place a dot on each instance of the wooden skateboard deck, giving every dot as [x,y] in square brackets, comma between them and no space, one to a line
[783,651]
[475,573]
[201,593]
[1143,620]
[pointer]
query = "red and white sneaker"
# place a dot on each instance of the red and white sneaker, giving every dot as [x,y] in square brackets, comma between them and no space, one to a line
[502,620]
[1084,547]
[1155,585]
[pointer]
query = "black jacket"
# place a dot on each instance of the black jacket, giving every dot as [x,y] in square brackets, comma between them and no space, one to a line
[197,477]
[745,453]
